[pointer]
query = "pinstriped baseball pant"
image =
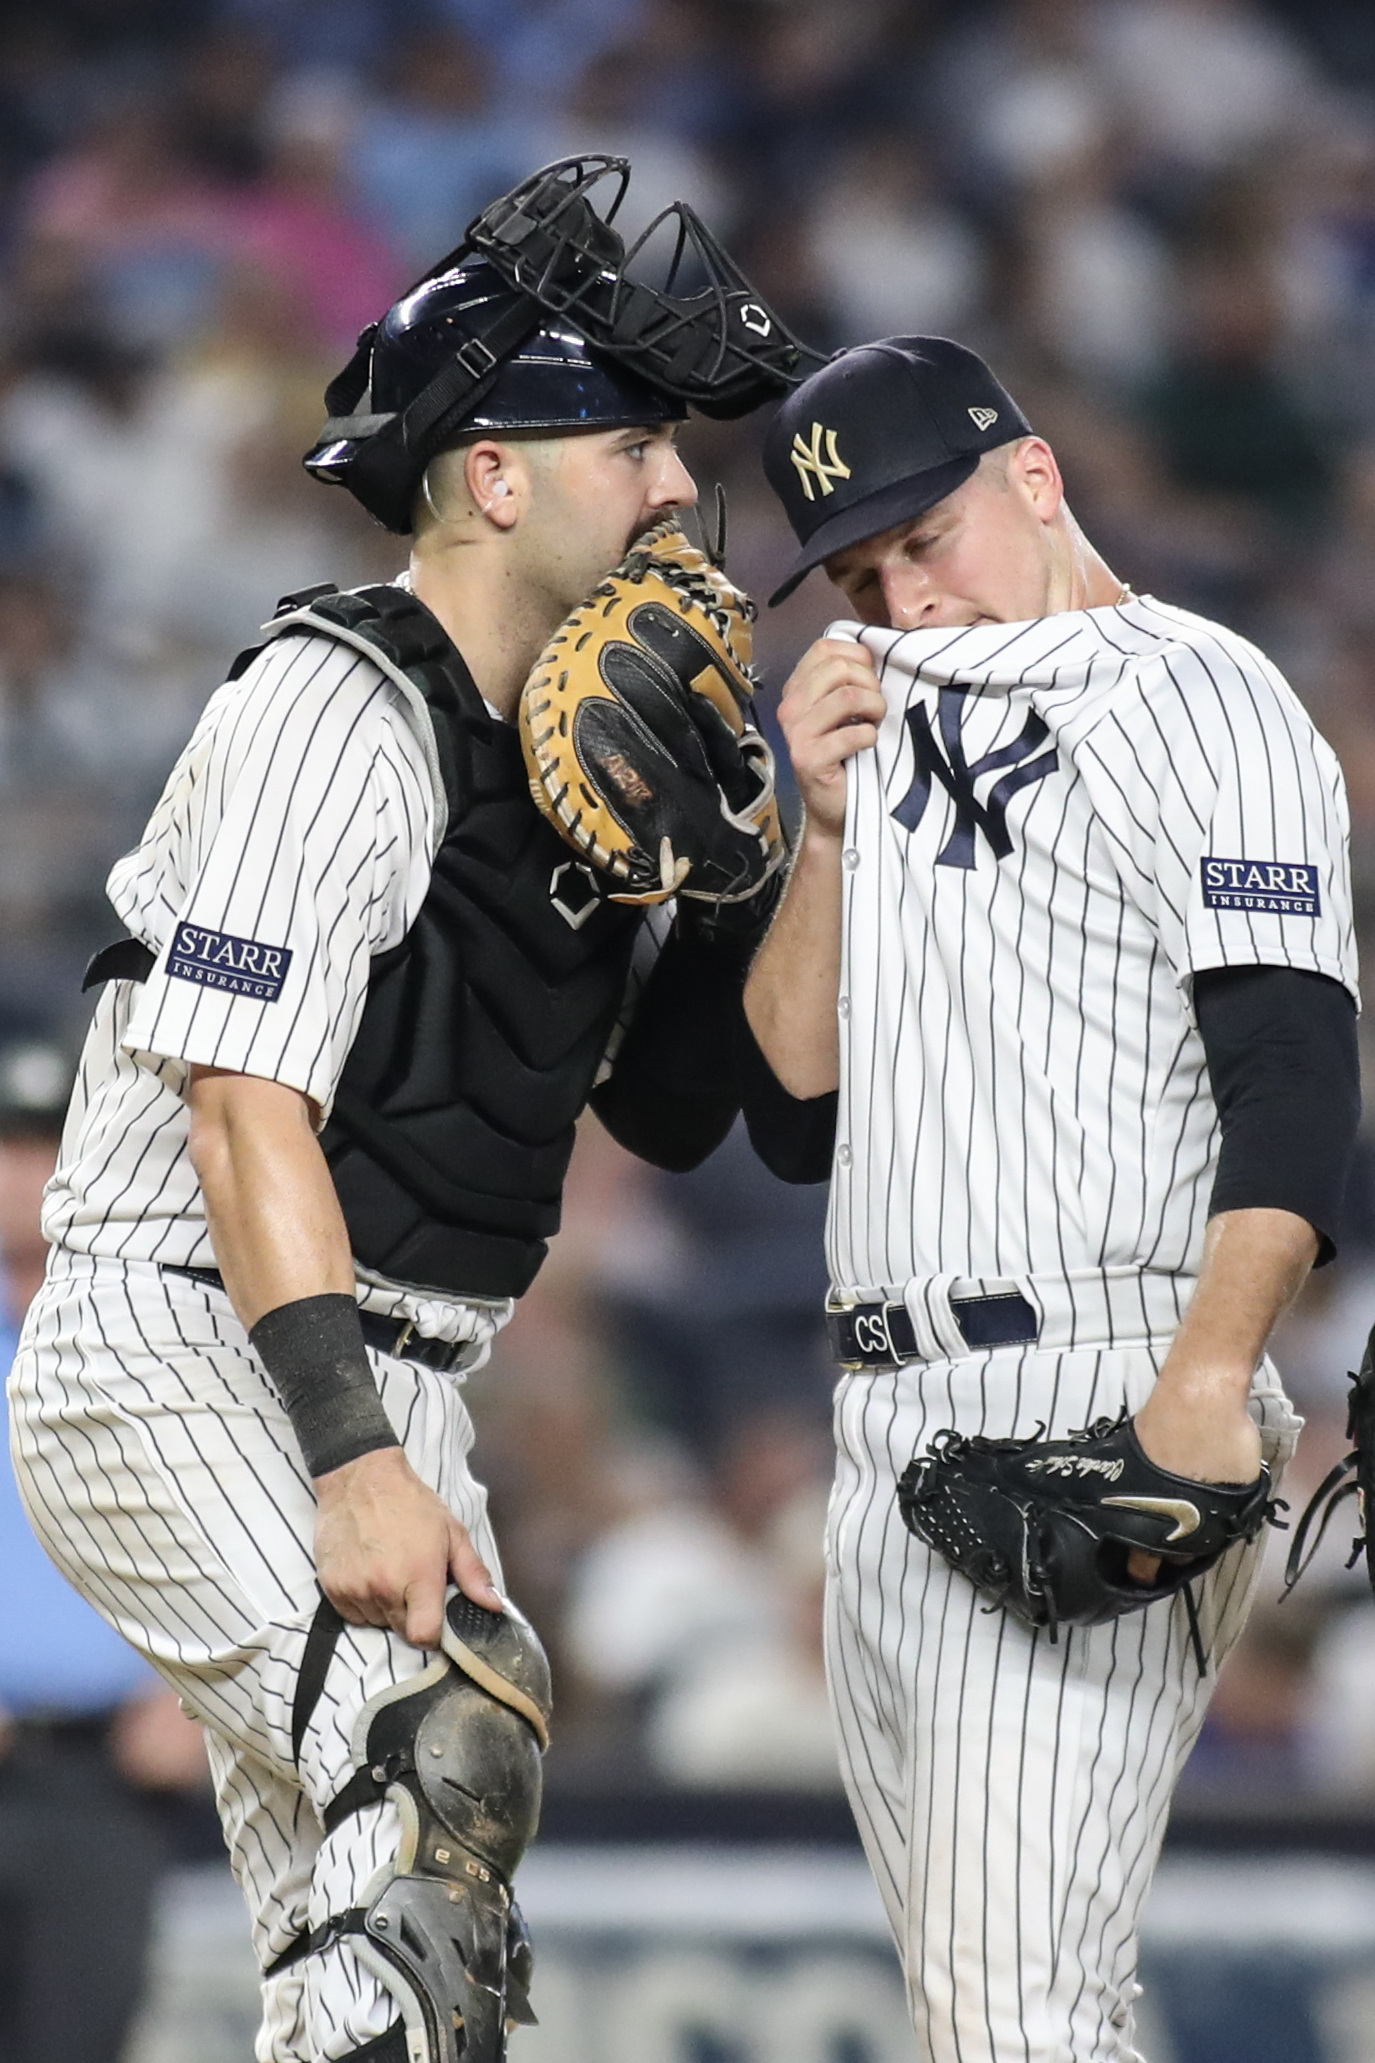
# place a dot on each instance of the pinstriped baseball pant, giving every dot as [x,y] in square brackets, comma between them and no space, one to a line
[1011,1793]
[161,1474]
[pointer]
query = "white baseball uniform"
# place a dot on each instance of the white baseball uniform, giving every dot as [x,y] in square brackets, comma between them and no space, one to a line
[1062,823]
[293,842]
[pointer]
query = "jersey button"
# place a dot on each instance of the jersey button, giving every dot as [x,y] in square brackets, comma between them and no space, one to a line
[844,1156]
[850,858]
[843,1006]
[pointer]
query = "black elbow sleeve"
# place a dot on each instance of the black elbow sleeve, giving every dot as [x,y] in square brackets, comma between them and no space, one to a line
[1282,1059]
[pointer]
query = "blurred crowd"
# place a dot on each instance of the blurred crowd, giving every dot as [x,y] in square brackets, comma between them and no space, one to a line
[1155,217]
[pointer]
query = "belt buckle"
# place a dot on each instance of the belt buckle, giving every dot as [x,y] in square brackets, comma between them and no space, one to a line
[401,1340]
[838,1308]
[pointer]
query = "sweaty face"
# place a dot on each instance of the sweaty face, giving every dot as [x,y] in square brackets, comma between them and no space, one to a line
[598,493]
[985,554]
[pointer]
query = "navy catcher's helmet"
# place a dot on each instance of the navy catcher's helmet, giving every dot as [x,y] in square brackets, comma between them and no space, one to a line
[536,323]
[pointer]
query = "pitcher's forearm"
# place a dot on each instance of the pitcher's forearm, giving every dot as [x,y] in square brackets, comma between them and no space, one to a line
[1195,1421]
[1255,1262]
[794,984]
[274,1217]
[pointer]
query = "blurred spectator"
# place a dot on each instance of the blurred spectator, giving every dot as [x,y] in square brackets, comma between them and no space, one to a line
[708,1609]
[753,1713]
[150,229]
[298,223]
[1092,274]
[1206,83]
[1020,93]
[890,255]
[1340,1714]
[1253,1739]
[69,714]
[1228,424]
[716,1301]
[430,151]
[86,1729]
[611,110]
[225,86]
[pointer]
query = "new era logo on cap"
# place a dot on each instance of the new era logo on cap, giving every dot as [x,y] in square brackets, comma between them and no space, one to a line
[879,435]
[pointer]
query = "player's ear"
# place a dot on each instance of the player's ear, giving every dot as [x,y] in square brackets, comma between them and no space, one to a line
[1032,468]
[496,482]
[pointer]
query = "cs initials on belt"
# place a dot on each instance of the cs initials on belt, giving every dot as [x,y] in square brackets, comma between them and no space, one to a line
[872,1337]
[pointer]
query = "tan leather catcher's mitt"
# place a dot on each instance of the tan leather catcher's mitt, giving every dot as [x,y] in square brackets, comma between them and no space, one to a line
[637,732]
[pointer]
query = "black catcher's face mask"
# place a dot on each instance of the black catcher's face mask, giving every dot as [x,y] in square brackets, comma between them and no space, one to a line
[699,335]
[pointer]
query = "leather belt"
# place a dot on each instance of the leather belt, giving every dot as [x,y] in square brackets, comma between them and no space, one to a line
[394,1336]
[883,1336]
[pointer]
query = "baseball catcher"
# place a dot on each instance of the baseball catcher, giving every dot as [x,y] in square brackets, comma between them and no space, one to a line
[335,1074]
[1051,1529]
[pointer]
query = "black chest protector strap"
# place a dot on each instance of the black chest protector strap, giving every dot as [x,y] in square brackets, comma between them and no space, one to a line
[128,959]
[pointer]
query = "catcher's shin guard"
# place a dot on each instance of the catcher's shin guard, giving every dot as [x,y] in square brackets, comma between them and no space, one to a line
[457,1749]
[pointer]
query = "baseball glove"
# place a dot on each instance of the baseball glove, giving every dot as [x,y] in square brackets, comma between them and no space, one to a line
[636,729]
[1352,1477]
[1044,1527]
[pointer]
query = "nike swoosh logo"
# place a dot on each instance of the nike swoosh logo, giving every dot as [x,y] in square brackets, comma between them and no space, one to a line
[1187,1517]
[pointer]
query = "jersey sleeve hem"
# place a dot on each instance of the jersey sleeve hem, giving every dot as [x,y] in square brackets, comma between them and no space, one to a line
[207,1052]
[1301,963]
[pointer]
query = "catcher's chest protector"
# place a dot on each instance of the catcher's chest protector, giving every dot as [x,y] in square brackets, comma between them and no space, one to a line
[484,1029]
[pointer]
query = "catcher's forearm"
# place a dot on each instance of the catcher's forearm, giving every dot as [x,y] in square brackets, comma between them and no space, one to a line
[283,1250]
[794,984]
[274,1217]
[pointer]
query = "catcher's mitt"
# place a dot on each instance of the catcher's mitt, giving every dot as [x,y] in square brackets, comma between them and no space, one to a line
[636,729]
[1352,1477]
[1044,1527]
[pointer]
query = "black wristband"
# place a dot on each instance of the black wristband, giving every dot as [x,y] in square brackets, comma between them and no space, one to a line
[314,1352]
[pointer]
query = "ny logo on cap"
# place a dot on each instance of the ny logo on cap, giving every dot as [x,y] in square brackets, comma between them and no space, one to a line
[812,465]
[983,418]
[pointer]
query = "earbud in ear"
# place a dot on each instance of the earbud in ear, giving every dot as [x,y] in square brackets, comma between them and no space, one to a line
[500,487]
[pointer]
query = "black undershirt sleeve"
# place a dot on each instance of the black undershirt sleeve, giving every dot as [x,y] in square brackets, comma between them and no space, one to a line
[794,1136]
[1282,1059]
[673,1091]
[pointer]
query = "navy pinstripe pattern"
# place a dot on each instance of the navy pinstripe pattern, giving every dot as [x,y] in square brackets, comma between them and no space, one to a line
[301,815]
[1024,1101]
[1022,1087]
[161,1475]
[1011,1793]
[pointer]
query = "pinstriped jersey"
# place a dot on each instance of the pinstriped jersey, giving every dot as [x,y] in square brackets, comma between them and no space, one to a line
[293,842]
[1062,822]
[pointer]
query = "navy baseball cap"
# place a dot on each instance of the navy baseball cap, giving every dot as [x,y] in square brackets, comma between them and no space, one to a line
[879,435]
